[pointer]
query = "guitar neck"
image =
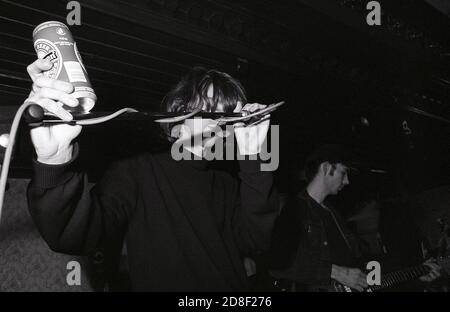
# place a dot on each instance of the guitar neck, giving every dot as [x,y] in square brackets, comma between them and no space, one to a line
[401,276]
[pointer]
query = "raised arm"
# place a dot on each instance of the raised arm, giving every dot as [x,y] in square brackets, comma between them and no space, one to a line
[71,218]
[256,208]
[257,201]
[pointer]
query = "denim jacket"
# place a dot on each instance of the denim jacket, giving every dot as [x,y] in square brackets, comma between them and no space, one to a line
[300,251]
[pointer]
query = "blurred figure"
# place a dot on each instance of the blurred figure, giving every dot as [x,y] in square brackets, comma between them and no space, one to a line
[390,235]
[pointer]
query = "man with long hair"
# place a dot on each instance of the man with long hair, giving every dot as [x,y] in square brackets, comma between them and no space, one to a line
[187,227]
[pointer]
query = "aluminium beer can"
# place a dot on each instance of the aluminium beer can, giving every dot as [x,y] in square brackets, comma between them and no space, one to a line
[54,41]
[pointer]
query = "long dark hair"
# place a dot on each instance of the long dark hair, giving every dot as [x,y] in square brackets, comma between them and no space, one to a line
[192,93]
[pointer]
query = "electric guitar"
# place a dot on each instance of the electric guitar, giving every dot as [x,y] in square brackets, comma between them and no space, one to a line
[394,278]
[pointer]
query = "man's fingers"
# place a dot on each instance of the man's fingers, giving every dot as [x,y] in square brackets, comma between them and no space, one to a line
[253,107]
[183,133]
[435,273]
[55,108]
[257,122]
[57,95]
[37,67]
[434,267]
[45,82]
[362,280]
[238,125]
[211,128]
[40,135]
[211,125]
[426,278]
[34,90]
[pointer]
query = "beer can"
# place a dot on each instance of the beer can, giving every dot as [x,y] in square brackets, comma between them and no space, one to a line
[54,41]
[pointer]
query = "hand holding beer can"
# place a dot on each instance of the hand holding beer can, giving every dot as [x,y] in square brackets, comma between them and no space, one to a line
[54,41]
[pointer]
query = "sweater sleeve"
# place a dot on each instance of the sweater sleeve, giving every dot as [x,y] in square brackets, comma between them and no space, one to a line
[74,218]
[256,208]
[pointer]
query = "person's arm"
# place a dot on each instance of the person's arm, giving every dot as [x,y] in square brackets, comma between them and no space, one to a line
[71,217]
[312,270]
[256,200]
[256,208]
[351,277]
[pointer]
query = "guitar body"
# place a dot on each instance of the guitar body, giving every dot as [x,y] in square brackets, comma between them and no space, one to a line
[342,288]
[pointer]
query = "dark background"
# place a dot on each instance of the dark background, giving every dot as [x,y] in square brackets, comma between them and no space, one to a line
[320,56]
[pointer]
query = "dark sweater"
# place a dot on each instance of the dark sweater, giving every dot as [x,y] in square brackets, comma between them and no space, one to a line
[187,227]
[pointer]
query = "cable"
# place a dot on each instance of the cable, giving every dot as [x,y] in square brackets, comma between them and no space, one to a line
[37,117]
[251,118]
[270,108]
[83,122]
[97,120]
[12,136]
[180,118]
[223,120]
[8,152]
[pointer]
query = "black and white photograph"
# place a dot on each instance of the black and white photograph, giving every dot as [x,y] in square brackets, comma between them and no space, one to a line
[232,152]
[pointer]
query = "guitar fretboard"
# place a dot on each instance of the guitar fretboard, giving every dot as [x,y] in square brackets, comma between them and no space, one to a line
[398,277]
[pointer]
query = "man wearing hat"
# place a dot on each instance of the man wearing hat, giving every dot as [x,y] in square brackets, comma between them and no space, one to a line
[311,244]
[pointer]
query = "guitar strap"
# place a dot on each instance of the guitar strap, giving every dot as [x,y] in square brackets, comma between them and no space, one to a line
[339,227]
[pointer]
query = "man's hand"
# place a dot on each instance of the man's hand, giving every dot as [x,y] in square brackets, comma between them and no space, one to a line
[52,143]
[351,277]
[250,139]
[434,271]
